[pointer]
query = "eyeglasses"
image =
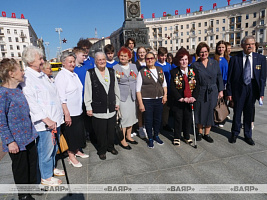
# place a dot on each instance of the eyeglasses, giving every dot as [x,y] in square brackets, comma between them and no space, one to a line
[150,58]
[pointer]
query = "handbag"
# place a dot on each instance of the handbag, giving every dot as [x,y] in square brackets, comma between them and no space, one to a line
[118,127]
[221,111]
[62,144]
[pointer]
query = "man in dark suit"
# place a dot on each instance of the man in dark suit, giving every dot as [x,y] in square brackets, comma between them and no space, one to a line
[245,84]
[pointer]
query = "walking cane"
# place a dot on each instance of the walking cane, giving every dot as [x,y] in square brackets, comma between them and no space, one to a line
[194,128]
[54,132]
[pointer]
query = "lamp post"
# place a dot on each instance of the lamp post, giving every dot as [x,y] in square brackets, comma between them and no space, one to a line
[47,50]
[59,30]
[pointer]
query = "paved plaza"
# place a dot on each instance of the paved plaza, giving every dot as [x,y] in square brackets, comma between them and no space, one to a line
[216,163]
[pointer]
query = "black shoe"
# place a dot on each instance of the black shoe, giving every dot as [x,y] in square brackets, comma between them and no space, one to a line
[102,156]
[128,147]
[26,197]
[167,128]
[250,141]
[131,142]
[208,138]
[113,151]
[233,139]
[199,136]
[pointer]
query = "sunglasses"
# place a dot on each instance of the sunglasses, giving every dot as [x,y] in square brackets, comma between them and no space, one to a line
[150,58]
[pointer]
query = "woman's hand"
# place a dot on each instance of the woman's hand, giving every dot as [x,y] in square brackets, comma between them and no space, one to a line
[117,107]
[68,120]
[181,100]
[220,95]
[142,107]
[50,123]
[13,147]
[164,99]
[186,100]
[192,100]
[89,113]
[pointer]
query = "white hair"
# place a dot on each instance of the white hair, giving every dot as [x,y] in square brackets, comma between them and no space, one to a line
[243,41]
[28,55]
[100,53]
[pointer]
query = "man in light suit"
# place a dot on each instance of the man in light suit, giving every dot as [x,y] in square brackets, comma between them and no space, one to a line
[245,84]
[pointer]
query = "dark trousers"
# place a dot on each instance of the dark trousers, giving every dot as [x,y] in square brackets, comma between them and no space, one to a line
[24,165]
[104,130]
[152,114]
[182,120]
[245,103]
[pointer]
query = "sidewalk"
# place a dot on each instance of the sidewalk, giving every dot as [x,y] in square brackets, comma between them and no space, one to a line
[216,163]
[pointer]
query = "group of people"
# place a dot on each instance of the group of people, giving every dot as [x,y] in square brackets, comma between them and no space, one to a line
[86,96]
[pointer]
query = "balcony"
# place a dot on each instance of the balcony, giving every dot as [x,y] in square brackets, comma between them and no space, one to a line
[3,50]
[2,42]
[22,35]
[1,33]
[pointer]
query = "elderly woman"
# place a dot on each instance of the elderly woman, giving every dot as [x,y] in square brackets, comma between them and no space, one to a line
[126,74]
[211,88]
[48,71]
[46,113]
[16,129]
[70,90]
[151,90]
[184,91]
[101,98]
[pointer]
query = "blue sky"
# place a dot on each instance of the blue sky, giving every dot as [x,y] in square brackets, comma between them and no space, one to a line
[79,18]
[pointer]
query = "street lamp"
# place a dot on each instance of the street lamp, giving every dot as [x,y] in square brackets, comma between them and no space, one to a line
[59,30]
[47,50]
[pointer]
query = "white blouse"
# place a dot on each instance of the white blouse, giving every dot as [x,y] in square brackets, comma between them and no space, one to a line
[70,90]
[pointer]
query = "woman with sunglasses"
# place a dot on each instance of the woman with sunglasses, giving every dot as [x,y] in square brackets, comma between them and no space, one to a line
[151,90]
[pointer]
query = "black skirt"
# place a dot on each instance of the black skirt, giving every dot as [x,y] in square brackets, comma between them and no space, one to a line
[75,134]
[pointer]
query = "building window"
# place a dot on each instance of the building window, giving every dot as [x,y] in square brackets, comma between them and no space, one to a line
[232,36]
[182,26]
[232,20]
[223,21]
[199,31]
[182,33]
[223,28]
[176,41]
[187,26]
[166,42]
[217,37]
[176,28]
[211,37]
[170,28]
[254,14]
[199,24]
[187,33]
[261,31]
[232,27]
[160,43]
[22,39]
[12,54]
[253,32]
[165,35]
[262,22]
[217,29]
[247,16]
[24,46]
[205,38]
[11,47]
[193,40]
[205,30]
[199,39]
[217,21]
[19,54]
[176,47]
[8,31]
[17,39]
[193,46]
[246,25]
[165,29]
[3,55]
[246,33]
[18,48]
[238,19]
[15,31]
[182,40]
[254,23]
[205,23]
[211,45]
[170,41]
[9,39]
[262,13]
[187,40]
[187,47]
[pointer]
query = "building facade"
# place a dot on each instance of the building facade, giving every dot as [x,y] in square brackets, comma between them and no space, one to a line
[15,35]
[230,23]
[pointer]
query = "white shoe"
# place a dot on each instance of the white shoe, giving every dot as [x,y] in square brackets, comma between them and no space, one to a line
[133,134]
[228,117]
[142,133]
[221,125]
[252,127]
[82,156]
[75,165]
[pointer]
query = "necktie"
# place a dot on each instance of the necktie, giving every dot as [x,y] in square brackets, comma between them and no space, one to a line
[187,91]
[247,72]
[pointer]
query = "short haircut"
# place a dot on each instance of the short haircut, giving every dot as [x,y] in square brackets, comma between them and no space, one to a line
[28,55]
[128,41]
[140,48]
[169,55]
[100,53]
[7,65]
[65,55]
[180,54]
[46,65]
[84,43]
[109,48]
[200,46]
[243,41]
[78,50]
[227,43]
[162,51]
[125,50]
[151,54]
